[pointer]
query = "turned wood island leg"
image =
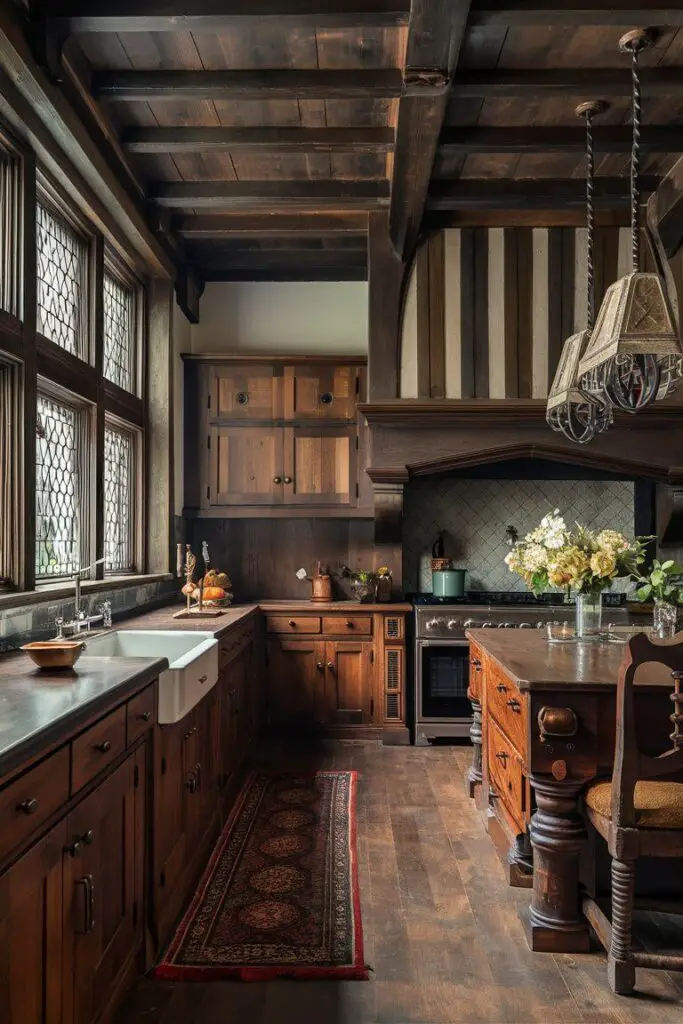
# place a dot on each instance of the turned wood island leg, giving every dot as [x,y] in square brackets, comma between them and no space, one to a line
[554,922]
[474,775]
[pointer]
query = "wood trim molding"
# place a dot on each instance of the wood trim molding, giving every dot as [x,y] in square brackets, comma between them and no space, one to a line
[409,412]
[249,359]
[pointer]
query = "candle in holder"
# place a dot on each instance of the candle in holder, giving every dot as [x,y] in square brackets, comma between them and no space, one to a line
[179,560]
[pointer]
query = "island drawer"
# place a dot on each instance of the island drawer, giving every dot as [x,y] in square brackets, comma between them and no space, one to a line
[506,775]
[140,714]
[32,799]
[347,625]
[97,747]
[508,706]
[293,623]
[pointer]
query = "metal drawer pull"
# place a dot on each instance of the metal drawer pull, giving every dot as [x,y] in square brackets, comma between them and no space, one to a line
[202,679]
[320,666]
[291,623]
[502,688]
[103,747]
[277,479]
[514,704]
[87,885]
[476,662]
[145,716]
[330,665]
[350,624]
[28,806]
[502,756]
[557,722]
[89,837]
[288,479]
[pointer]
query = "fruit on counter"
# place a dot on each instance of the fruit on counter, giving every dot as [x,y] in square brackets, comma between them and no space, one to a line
[188,589]
[212,593]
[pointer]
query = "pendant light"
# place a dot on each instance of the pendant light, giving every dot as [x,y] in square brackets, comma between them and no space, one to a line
[634,355]
[570,410]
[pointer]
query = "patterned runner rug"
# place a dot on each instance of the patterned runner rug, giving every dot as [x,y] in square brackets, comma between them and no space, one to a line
[279,897]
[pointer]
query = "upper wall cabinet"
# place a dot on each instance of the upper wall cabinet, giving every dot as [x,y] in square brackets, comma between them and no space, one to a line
[267,436]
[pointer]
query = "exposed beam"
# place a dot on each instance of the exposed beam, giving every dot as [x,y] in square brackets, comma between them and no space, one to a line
[259,84]
[281,140]
[435,33]
[521,13]
[245,195]
[609,83]
[528,193]
[222,15]
[241,225]
[607,139]
[335,274]
[571,217]
[295,259]
[665,210]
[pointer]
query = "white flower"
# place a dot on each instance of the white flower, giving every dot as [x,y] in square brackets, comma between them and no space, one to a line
[535,557]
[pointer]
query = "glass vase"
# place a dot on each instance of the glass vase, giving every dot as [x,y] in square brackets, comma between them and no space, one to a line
[664,618]
[589,616]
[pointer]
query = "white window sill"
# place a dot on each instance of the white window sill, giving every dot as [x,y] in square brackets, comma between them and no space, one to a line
[65,589]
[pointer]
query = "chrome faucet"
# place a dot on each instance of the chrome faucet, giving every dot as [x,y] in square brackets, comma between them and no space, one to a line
[81,620]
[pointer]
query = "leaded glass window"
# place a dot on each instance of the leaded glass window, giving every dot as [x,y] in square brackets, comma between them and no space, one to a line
[119,333]
[57,489]
[119,471]
[62,283]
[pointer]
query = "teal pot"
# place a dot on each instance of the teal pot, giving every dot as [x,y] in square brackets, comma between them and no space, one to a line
[448,582]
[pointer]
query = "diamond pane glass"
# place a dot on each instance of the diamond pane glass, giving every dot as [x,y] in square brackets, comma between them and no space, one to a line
[118,518]
[119,332]
[62,260]
[57,525]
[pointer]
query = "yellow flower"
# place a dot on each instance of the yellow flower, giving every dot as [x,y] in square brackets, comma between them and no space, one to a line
[603,563]
[568,567]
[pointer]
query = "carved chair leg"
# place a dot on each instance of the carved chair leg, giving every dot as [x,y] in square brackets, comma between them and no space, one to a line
[621,972]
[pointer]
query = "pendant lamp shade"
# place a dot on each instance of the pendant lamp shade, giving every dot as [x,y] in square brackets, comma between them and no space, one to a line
[570,410]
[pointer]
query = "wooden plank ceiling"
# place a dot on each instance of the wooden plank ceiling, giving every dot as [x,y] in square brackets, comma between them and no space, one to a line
[264,138]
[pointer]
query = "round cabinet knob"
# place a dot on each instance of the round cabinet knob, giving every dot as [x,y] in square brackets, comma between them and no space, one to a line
[291,623]
[75,848]
[320,666]
[288,479]
[145,716]
[330,665]
[350,624]
[89,837]
[104,747]
[277,479]
[28,806]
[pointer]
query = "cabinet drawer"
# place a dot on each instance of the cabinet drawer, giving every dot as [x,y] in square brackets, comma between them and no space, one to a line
[140,714]
[94,749]
[292,624]
[347,625]
[508,706]
[506,775]
[33,798]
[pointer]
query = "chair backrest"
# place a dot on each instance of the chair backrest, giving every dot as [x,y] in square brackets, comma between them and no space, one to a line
[630,765]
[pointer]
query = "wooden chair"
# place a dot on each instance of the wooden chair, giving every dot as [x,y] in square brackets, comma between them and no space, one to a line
[638,814]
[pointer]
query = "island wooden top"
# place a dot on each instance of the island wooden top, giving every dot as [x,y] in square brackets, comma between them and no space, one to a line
[527,659]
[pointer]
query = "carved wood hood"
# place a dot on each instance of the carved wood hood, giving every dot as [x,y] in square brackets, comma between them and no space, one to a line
[413,437]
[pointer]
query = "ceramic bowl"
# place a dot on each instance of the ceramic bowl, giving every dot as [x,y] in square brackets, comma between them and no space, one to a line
[61,654]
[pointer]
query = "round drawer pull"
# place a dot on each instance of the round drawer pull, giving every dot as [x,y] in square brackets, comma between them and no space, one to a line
[89,837]
[103,747]
[277,479]
[28,806]
[291,623]
[202,679]
[350,624]
[327,398]
[145,716]
[288,479]
[242,397]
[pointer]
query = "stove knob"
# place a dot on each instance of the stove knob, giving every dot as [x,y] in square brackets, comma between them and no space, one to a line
[469,624]
[487,625]
[432,624]
[503,625]
[539,625]
[525,625]
[509,625]
[453,623]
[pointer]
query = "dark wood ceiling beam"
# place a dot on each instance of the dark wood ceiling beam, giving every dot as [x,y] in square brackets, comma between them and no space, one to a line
[571,217]
[258,84]
[281,140]
[521,13]
[607,83]
[607,139]
[435,33]
[665,210]
[528,194]
[356,273]
[271,225]
[295,259]
[268,195]
[222,15]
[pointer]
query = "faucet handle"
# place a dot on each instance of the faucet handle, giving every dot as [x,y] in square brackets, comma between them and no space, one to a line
[105,608]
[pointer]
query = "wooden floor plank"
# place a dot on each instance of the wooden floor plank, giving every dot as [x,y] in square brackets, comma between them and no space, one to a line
[440,924]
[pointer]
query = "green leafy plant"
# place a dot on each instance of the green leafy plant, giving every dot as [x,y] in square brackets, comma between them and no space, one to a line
[664,582]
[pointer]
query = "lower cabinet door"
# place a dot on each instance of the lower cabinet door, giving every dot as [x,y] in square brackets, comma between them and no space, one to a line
[102,911]
[296,683]
[31,934]
[350,688]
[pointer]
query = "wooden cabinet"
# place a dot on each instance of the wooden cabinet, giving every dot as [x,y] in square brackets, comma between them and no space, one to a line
[343,673]
[31,934]
[274,436]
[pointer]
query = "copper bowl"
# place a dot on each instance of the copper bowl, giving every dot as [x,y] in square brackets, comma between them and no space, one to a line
[60,654]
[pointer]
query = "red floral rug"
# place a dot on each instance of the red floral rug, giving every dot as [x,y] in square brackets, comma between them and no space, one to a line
[279,897]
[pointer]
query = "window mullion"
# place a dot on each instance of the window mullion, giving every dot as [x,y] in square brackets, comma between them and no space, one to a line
[29,262]
[97,328]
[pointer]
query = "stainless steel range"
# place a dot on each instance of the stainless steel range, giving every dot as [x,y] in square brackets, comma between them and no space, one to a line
[442,709]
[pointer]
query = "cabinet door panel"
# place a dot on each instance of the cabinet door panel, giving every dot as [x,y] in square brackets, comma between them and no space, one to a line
[321,392]
[320,462]
[244,463]
[102,925]
[350,683]
[246,392]
[296,683]
[31,934]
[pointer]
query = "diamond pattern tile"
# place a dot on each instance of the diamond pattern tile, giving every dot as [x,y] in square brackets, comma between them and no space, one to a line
[473,515]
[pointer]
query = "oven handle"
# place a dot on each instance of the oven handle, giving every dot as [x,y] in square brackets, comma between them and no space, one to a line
[441,643]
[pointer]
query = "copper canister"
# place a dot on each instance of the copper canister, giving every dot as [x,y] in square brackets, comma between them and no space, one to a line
[321,588]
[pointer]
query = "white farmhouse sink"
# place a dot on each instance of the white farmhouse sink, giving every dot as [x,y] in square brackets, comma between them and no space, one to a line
[192,659]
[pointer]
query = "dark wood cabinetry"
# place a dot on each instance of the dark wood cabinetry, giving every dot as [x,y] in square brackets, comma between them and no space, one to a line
[277,434]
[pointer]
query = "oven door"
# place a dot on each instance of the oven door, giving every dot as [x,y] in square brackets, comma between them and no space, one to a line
[443,672]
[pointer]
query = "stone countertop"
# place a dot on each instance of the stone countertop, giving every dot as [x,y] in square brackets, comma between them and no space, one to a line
[163,618]
[526,657]
[37,709]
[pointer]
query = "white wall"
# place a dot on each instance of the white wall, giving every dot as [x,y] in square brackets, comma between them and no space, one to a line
[294,318]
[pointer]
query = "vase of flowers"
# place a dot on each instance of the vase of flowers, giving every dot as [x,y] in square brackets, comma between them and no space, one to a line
[664,585]
[581,561]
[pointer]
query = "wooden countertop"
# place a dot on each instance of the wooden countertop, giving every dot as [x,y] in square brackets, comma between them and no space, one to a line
[162,618]
[526,657]
[333,606]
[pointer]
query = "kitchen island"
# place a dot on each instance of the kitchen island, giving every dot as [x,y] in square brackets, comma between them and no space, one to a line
[547,728]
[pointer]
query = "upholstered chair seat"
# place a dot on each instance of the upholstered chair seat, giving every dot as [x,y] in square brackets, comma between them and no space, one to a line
[657,804]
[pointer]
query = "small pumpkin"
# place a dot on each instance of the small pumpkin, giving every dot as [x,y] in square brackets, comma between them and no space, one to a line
[213,593]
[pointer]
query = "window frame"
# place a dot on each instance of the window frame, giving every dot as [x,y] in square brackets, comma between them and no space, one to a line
[136,501]
[115,268]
